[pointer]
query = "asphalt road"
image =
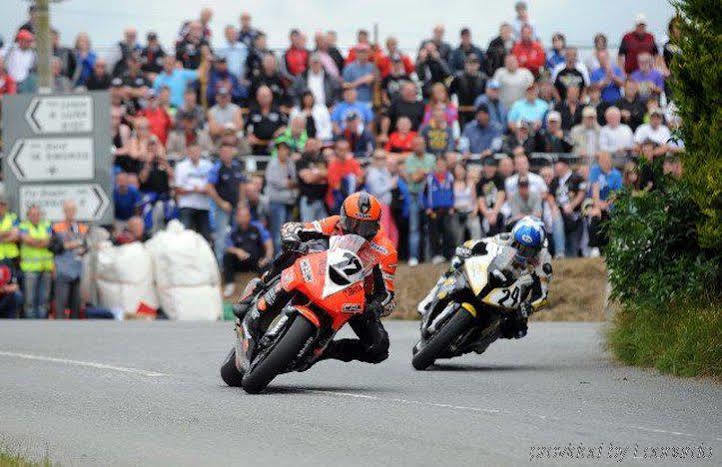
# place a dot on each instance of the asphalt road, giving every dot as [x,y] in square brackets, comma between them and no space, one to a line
[110,393]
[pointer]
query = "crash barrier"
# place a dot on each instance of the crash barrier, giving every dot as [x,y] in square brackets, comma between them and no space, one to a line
[124,278]
[186,274]
[175,270]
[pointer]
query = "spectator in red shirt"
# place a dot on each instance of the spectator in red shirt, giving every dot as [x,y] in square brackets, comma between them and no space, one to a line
[634,43]
[401,140]
[529,52]
[159,120]
[362,37]
[344,175]
[383,63]
[296,57]
[7,83]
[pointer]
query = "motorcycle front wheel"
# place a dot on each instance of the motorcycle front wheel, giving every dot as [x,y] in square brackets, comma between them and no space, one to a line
[457,324]
[280,356]
[229,373]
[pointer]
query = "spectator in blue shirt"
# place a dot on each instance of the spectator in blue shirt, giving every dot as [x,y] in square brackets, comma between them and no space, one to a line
[483,136]
[497,109]
[220,77]
[348,106]
[176,79]
[604,180]
[556,54]
[530,109]
[248,247]
[360,74]
[126,198]
[235,52]
[609,77]
[439,204]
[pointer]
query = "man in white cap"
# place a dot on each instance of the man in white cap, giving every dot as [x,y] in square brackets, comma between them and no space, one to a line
[634,43]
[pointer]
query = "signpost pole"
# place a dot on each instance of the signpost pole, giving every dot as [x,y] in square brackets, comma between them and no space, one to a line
[43,46]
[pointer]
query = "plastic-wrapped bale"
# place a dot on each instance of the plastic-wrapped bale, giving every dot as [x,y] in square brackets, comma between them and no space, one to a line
[186,274]
[124,277]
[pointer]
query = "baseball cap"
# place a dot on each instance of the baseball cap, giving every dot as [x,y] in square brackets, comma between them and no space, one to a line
[488,161]
[152,94]
[554,116]
[493,84]
[25,35]
[470,58]
[396,58]
[657,112]
[116,82]
[219,59]
[151,36]
[222,92]
[589,111]
[482,108]
[641,18]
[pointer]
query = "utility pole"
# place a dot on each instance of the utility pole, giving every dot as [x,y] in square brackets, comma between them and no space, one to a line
[43,46]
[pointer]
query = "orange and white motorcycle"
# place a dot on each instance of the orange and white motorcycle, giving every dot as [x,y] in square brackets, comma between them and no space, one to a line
[320,290]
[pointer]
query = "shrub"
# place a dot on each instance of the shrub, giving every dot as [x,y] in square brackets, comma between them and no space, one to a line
[654,255]
[696,85]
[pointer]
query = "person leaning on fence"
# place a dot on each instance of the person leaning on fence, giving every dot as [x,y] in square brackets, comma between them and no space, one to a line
[68,263]
[36,262]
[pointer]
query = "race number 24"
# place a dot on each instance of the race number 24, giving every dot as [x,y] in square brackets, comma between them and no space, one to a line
[512,294]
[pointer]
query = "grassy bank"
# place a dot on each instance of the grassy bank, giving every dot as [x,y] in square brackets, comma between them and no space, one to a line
[683,341]
[13,460]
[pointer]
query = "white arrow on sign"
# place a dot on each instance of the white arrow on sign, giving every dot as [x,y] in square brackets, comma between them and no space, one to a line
[91,199]
[37,159]
[60,114]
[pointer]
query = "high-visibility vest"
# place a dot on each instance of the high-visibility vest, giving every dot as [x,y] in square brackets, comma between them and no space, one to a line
[8,250]
[33,259]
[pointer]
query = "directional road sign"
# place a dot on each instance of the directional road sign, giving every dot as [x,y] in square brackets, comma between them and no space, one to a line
[91,199]
[37,159]
[60,114]
[58,147]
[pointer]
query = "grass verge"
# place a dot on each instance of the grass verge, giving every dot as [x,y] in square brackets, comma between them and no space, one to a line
[16,460]
[683,340]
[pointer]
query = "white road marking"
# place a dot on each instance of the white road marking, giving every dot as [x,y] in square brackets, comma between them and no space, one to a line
[66,361]
[655,430]
[404,401]
[475,409]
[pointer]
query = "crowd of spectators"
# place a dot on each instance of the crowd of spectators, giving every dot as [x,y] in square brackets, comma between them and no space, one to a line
[456,141]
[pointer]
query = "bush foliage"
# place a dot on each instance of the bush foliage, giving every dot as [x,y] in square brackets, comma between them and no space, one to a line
[655,257]
[696,86]
[665,253]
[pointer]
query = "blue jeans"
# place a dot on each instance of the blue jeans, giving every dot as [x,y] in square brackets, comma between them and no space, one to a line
[312,210]
[416,212]
[222,220]
[279,215]
[10,305]
[37,291]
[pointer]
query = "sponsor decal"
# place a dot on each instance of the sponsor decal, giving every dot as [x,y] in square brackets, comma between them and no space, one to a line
[375,246]
[306,270]
[527,238]
[287,277]
[354,289]
[351,308]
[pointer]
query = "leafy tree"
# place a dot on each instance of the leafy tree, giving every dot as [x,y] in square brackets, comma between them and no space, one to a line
[697,89]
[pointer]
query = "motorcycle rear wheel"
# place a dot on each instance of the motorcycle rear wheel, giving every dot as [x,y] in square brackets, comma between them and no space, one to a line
[427,355]
[283,353]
